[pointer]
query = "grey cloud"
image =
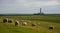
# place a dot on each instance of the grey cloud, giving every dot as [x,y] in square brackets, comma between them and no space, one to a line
[59,1]
[28,6]
[40,0]
[7,1]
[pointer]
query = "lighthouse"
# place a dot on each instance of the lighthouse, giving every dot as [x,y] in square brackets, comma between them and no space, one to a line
[40,10]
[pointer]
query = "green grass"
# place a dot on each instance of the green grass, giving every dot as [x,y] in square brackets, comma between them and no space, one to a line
[43,22]
[9,28]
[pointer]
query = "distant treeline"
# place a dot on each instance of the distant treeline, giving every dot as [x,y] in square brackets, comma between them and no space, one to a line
[29,14]
[16,14]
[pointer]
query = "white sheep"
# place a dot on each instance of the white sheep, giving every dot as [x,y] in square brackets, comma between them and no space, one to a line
[5,20]
[34,24]
[10,20]
[16,23]
[24,23]
[51,27]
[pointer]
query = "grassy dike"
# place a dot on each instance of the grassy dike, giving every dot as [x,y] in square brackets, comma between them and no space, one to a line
[43,22]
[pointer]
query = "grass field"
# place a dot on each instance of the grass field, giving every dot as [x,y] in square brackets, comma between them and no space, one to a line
[43,23]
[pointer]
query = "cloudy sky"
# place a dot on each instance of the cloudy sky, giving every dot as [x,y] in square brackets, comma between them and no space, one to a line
[29,6]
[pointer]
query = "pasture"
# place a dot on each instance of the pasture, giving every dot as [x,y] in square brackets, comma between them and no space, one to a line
[43,23]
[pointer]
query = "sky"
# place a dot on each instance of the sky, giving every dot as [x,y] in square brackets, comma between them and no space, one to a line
[29,6]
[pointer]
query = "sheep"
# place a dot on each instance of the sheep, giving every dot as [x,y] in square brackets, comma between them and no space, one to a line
[51,27]
[10,20]
[33,24]
[24,23]
[5,20]
[16,23]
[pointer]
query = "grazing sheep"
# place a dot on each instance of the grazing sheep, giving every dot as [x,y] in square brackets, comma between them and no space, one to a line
[16,23]
[9,20]
[5,20]
[24,23]
[33,24]
[51,27]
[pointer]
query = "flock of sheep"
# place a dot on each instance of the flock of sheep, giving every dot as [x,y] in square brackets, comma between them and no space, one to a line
[16,23]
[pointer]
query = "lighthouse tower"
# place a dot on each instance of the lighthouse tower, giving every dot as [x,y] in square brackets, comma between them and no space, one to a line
[40,10]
